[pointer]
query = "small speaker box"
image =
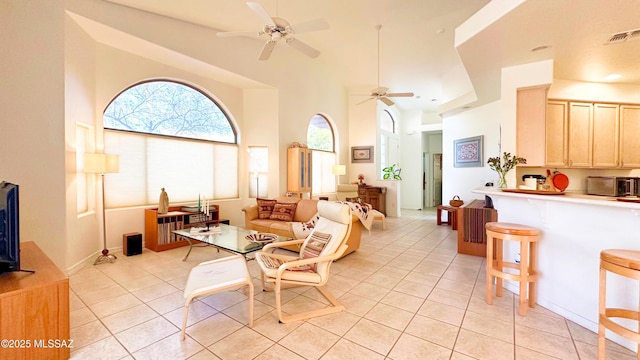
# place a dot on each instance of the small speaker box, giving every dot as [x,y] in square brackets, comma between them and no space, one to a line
[132,244]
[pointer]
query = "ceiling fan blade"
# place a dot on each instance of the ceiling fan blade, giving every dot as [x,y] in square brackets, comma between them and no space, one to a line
[267,50]
[262,13]
[302,47]
[309,26]
[379,90]
[408,94]
[364,101]
[387,101]
[237,33]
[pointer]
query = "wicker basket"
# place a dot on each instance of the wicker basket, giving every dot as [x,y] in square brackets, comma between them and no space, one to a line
[455,202]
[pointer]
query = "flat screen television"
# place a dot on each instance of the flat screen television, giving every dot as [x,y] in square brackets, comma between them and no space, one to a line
[9,228]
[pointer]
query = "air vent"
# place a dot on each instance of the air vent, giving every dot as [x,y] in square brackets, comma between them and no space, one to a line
[624,36]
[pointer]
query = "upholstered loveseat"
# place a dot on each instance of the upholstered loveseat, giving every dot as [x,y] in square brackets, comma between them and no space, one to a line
[303,213]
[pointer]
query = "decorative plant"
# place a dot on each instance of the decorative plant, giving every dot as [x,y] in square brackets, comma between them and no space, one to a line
[361,178]
[391,172]
[503,165]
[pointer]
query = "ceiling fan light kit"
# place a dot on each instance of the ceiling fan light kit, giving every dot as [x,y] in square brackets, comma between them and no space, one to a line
[278,29]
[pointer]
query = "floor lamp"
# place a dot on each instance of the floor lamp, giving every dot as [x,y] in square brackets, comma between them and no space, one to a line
[102,164]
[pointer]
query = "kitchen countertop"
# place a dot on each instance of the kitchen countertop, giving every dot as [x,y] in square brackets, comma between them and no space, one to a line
[568,197]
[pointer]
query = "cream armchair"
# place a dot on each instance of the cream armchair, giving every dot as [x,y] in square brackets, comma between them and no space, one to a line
[326,243]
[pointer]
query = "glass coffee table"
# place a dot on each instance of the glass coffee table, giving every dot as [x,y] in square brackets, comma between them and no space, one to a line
[222,236]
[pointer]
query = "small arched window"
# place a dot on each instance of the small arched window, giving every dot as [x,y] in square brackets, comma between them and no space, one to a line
[321,140]
[320,134]
[173,136]
[387,122]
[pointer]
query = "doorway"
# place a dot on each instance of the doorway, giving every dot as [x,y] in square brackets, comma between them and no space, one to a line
[432,180]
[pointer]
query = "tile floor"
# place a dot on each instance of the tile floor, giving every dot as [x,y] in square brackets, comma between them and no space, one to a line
[407,292]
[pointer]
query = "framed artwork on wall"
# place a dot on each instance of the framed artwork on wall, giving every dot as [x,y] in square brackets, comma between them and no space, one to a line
[362,154]
[468,152]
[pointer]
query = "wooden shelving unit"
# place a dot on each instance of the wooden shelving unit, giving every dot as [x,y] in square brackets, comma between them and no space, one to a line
[158,228]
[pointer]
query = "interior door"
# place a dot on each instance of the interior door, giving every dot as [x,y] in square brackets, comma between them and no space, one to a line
[437,179]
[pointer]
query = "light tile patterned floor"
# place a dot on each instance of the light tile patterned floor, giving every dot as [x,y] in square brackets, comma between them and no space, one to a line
[408,295]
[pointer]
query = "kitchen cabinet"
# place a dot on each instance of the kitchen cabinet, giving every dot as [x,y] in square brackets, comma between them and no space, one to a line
[530,120]
[299,170]
[580,130]
[556,133]
[591,135]
[605,135]
[629,131]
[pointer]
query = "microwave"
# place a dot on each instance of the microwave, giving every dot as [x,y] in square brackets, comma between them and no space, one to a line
[612,185]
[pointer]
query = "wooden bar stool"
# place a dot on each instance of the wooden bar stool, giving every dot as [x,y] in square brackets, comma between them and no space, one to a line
[528,238]
[624,263]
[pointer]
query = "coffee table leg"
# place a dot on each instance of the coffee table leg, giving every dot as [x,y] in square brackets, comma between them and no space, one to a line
[190,247]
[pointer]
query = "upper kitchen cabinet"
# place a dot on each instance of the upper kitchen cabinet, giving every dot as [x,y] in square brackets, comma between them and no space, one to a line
[629,131]
[593,135]
[605,135]
[556,133]
[579,148]
[530,119]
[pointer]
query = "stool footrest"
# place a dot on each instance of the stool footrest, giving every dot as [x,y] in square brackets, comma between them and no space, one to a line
[619,329]
[531,277]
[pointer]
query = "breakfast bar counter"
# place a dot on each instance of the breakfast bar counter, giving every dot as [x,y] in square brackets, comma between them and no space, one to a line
[574,229]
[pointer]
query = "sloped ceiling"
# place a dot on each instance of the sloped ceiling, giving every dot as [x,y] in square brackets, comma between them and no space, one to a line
[418,45]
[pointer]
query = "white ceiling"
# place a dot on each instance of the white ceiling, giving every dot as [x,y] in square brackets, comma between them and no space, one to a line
[417,39]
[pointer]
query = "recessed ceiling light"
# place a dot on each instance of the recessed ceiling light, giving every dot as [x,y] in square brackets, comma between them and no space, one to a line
[540,48]
[612,77]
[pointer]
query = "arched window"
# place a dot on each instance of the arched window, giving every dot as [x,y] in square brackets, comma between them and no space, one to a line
[321,140]
[387,122]
[173,136]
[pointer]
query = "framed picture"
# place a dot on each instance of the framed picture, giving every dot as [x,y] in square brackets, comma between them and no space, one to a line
[362,154]
[468,152]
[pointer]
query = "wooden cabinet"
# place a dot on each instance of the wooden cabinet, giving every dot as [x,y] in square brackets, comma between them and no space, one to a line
[605,135]
[34,307]
[530,120]
[556,133]
[629,132]
[579,149]
[299,170]
[158,228]
[584,134]
[376,196]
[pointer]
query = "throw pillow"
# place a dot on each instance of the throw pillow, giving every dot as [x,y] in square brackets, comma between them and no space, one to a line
[265,208]
[314,246]
[283,211]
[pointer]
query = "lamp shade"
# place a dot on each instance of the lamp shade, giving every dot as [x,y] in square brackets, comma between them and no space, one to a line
[101,163]
[339,170]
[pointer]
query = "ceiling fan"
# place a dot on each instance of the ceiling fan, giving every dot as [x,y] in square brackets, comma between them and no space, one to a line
[380,93]
[278,29]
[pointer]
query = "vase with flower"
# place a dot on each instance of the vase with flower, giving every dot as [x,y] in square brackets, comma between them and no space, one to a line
[361,179]
[502,165]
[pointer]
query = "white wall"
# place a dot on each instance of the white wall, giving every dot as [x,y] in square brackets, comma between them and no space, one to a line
[475,122]
[411,160]
[496,122]
[32,143]
[83,230]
